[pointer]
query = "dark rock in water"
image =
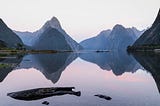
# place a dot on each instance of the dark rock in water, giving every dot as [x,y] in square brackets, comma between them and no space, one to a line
[39,93]
[45,103]
[103,96]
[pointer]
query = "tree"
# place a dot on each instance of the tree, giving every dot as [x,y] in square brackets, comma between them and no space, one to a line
[20,46]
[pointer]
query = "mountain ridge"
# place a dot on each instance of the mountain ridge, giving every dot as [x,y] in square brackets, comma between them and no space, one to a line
[8,36]
[52,23]
[116,39]
[150,36]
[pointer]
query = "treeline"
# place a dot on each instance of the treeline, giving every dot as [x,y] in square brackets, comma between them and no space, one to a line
[144,47]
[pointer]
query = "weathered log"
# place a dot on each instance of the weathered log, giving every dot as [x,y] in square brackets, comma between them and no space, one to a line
[39,93]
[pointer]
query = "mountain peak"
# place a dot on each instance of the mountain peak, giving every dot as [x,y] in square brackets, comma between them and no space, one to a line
[118,27]
[54,19]
[53,23]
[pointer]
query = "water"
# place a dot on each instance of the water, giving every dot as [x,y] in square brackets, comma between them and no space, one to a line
[128,80]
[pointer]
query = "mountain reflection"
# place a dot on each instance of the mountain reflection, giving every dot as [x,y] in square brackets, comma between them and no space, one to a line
[151,62]
[7,64]
[117,61]
[51,65]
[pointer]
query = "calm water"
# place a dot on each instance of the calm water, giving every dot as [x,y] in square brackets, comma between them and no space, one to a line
[129,80]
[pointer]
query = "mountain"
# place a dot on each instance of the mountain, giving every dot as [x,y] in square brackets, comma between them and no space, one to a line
[52,39]
[116,39]
[55,26]
[51,28]
[121,37]
[152,35]
[8,36]
[27,37]
[97,43]
[2,44]
[137,32]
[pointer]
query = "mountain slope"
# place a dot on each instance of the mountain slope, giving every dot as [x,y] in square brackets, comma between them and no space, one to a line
[116,39]
[121,37]
[32,39]
[52,39]
[55,24]
[2,44]
[97,43]
[27,37]
[8,36]
[152,35]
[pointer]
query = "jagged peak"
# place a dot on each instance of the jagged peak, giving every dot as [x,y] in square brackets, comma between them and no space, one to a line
[53,22]
[134,28]
[118,27]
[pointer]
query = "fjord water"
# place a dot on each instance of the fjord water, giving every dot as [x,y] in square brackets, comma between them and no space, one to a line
[130,80]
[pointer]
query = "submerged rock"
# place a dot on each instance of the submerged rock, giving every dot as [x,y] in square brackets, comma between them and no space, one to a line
[39,93]
[45,103]
[103,96]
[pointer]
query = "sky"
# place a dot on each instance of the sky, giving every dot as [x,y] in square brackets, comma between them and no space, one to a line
[81,19]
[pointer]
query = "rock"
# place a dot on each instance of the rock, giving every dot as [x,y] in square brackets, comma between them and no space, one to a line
[103,96]
[45,103]
[39,93]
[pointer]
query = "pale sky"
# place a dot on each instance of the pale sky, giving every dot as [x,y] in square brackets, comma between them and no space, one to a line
[81,19]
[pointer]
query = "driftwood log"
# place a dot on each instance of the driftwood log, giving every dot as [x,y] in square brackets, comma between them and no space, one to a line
[39,93]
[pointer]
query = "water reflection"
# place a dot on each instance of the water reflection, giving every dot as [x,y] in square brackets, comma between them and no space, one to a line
[51,65]
[117,61]
[151,62]
[7,64]
[91,81]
